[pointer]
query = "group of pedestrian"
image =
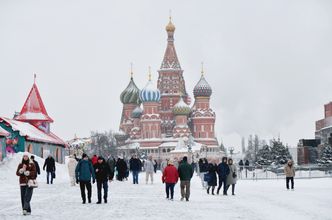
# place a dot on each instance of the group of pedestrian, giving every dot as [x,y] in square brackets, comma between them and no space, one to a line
[213,174]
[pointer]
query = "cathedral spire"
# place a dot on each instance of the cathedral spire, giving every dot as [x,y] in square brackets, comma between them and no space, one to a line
[170,60]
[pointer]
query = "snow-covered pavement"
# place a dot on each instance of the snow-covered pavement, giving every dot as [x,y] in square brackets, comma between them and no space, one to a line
[264,199]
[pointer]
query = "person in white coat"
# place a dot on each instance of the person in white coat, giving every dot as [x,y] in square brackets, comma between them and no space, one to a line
[149,169]
[72,163]
[232,176]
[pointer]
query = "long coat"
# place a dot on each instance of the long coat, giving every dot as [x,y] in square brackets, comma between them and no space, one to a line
[71,167]
[230,178]
[212,172]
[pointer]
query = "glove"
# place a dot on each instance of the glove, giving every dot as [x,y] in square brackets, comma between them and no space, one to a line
[93,181]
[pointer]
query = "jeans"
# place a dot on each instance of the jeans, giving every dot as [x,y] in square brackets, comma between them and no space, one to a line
[87,185]
[48,174]
[222,181]
[135,176]
[292,182]
[170,187]
[103,184]
[185,189]
[26,194]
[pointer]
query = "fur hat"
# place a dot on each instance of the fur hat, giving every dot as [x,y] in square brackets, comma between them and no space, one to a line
[84,155]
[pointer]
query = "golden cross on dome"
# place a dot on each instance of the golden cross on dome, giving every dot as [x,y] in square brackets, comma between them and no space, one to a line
[149,73]
[131,70]
[170,15]
[202,70]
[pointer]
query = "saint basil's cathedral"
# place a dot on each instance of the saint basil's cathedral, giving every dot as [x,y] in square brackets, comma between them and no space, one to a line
[156,119]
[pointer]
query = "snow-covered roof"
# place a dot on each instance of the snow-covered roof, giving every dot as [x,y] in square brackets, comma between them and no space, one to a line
[32,133]
[168,144]
[3,132]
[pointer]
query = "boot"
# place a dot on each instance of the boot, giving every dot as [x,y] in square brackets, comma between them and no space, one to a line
[208,190]
[212,190]
[105,200]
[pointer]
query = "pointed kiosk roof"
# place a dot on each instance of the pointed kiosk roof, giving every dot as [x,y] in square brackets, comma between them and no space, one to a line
[33,108]
[170,60]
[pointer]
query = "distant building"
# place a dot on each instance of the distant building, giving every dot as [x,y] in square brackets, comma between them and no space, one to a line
[30,131]
[308,150]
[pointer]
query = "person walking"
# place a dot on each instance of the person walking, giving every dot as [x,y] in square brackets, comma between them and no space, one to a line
[203,167]
[289,171]
[32,158]
[185,174]
[135,166]
[121,167]
[103,175]
[170,178]
[232,177]
[111,163]
[26,170]
[212,170]
[50,168]
[72,163]
[223,172]
[84,172]
[149,169]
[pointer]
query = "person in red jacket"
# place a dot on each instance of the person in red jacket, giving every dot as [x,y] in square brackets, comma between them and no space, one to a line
[170,177]
[94,159]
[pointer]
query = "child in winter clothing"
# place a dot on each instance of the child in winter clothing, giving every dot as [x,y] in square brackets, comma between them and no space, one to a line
[26,170]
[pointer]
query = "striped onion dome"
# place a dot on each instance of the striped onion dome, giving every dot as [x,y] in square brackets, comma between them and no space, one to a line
[137,112]
[149,93]
[202,88]
[181,108]
[131,94]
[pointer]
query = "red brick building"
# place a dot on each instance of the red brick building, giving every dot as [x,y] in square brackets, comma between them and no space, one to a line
[167,116]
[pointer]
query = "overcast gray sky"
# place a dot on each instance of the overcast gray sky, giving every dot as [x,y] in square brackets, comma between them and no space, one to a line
[269,62]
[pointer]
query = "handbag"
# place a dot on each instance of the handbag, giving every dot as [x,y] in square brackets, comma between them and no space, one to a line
[207,177]
[53,175]
[234,175]
[32,183]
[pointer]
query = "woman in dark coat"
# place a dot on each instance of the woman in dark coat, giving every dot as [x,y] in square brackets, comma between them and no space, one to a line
[212,172]
[121,167]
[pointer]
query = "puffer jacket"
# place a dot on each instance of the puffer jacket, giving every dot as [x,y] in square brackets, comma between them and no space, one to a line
[84,171]
[29,173]
[170,174]
[289,170]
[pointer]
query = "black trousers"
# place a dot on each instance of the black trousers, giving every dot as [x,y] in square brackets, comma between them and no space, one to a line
[221,182]
[87,185]
[170,188]
[26,195]
[287,182]
[233,188]
[104,185]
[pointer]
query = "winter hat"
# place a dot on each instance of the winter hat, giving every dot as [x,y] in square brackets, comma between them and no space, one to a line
[100,158]
[185,158]
[84,155]
[171,162]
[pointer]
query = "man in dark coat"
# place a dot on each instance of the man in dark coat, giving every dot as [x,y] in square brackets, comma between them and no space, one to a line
[223,172]
[135,166]
[36,165]
[84,172]
[50,168]
[103,174]
[185,174]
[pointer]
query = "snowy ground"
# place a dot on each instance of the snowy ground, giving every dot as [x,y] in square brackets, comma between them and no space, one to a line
[265,199]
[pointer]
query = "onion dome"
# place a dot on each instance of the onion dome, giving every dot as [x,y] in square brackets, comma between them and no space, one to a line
[131,94]
[137,112]
[149,93]
[170,26]
[202,88]
[181,108]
